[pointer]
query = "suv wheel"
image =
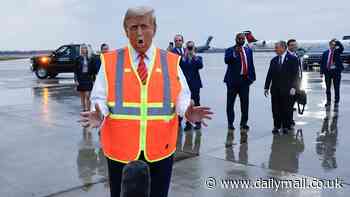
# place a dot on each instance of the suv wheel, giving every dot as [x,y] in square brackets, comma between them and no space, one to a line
[41,73]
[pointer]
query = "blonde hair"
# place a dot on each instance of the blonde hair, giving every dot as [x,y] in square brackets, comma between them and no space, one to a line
[140,11]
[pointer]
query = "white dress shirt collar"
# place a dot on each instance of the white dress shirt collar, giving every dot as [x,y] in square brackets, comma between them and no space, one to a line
[149,56]
[292,53]
[283,56]
[180,50]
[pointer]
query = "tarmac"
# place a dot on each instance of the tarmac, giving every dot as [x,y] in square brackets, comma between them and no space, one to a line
[44,151]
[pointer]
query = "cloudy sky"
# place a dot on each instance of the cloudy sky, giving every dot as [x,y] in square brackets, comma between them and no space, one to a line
[46,24]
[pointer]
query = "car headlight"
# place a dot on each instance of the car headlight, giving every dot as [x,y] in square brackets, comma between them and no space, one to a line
[306,56]
[44,60]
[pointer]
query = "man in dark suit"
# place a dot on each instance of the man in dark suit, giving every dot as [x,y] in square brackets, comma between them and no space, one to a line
[97,59]
[191,64]
[178,49]
[240,74]
[331,68]
[292,45]
[282,80]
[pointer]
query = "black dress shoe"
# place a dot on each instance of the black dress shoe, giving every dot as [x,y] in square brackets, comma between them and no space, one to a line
[275,131]
[285,131]
[231,127]
[245,127]
[327,104]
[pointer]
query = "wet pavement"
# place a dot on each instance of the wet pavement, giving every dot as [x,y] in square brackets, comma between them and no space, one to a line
[44,151]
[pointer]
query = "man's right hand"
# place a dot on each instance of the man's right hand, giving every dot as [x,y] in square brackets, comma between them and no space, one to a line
[237,48]
[91,119]
[266,92]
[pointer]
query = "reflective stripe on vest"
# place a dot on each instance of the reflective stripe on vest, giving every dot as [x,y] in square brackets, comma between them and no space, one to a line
[153,112]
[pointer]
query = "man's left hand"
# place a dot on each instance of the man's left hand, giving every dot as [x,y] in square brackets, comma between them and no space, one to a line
[198,114]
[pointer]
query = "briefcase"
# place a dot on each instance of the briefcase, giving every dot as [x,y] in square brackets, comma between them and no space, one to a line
[301,99]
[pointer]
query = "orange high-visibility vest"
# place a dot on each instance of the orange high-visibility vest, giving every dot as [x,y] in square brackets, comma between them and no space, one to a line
[141,117]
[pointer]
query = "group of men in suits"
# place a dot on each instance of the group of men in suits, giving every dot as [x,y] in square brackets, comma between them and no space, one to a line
[283,78]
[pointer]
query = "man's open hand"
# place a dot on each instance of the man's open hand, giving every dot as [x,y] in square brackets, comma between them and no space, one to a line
[198,114]
[91,119]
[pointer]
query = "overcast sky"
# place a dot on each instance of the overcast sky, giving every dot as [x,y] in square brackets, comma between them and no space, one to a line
[46,24]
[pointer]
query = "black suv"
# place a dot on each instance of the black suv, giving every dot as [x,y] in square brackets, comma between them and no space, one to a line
[61,60]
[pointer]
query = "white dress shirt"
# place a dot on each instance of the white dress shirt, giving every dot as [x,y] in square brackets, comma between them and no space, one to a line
[99,92]
[283,56]
[329,59]
[180,51]
[245,59]
[292,53]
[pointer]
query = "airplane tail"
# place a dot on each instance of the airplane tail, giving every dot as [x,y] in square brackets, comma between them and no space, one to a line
[250,37]
[210,38]
[201,49]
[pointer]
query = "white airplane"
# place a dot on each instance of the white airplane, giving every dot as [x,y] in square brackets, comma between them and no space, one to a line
[268,45]
[305,45]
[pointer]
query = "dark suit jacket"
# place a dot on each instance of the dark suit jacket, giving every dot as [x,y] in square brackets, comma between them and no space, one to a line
[79,75]
[282,78]
[336,58]
[191,68]
[233,72]
[176,51]
[300,68]
[96,63]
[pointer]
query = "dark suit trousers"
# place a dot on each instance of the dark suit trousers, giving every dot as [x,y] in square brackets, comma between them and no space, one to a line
[295,98]
[160,176]
[195,96]
[335,77]
[282,109]
[232,92]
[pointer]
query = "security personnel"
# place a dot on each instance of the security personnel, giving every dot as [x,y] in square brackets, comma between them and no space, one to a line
[179,41]
[332,67]
[191,64]
[292,45]
[136,97]
[240,74]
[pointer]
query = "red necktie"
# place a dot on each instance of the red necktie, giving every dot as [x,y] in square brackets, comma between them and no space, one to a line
[142,69]
[244,63]
[330,61]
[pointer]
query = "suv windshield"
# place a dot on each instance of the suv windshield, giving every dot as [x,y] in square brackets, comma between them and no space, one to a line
[64,51]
